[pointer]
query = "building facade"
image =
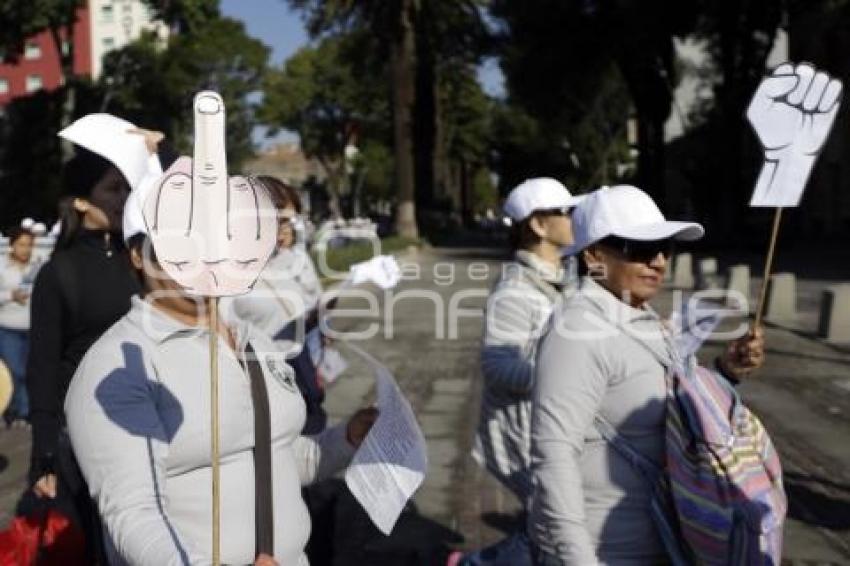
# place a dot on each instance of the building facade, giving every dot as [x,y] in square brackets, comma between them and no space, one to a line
[102,26]
[38,67]
[115,23]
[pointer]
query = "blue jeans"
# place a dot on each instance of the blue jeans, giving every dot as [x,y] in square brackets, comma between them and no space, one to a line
[14,347]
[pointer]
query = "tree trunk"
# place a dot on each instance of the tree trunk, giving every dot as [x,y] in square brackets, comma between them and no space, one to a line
[332,184]
[465,193]
[425,112]
[651,159]
[66,65]
[404,85]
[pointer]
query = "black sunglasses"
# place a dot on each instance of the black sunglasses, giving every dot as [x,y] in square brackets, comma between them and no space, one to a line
[638,250]
[560,211]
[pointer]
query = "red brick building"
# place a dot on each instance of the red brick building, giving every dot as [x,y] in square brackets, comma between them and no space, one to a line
[38,67]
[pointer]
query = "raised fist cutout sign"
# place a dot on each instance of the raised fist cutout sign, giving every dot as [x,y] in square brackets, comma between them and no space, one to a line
[213,234]
[792,113]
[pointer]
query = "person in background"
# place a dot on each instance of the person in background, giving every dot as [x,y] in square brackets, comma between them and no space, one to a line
[284,304]
[17,272]
[285,300]
[604,359]
[82,290]
[516,314]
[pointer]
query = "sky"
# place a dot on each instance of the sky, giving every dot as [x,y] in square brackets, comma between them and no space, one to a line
[273,23]
[270,21]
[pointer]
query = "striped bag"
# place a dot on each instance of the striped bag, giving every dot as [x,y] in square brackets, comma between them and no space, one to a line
[724,473]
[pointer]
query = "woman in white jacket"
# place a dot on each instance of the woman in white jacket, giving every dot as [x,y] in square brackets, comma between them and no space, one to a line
[138,418]
[605,357]
[516,314]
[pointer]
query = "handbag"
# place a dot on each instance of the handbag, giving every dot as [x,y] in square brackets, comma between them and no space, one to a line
[45,537]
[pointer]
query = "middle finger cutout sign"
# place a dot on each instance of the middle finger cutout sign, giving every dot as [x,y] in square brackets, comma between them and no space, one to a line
[213,234]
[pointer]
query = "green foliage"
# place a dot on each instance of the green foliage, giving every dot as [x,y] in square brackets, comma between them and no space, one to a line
[485,194]
[20,19]
[185,15]
[324,94]
[155,86]
[375,164]
[147,82]
[555,113]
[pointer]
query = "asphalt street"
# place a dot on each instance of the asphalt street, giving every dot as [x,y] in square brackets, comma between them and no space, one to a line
[427,332]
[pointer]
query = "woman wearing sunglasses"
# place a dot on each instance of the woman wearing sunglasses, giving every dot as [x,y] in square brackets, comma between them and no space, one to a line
[602,358]
[516,315]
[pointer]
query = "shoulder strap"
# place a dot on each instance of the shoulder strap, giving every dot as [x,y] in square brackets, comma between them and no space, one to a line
[647,468]
[287,308]
[663,511]
[263,505]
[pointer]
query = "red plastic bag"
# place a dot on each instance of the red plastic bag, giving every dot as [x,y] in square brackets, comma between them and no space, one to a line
[46,539]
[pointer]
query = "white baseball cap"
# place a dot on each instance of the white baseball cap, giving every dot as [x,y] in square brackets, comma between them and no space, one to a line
[626,212]
[542,193]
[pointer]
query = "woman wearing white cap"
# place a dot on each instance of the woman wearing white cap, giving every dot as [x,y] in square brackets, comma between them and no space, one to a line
[138,405]
[590,506]
[516,315]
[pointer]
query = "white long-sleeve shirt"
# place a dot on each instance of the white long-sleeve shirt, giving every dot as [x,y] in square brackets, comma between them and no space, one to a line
[14,315]
[515,318]
[590,505]
[139,420]
[287,288]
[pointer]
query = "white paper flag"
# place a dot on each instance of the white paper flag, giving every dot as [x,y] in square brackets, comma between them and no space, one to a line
[390,465]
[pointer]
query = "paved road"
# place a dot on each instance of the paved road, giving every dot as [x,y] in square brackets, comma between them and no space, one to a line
[803,396]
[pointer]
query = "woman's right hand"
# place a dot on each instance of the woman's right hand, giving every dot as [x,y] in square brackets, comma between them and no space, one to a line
[45,487]
[265,560]
[152,138]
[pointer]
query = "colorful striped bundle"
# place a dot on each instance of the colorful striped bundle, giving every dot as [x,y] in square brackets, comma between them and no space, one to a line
[724,473]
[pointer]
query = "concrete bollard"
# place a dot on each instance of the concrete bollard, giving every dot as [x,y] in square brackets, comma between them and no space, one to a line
[683,271]
[707,274]
[739,286]
[782,298]
[835,314]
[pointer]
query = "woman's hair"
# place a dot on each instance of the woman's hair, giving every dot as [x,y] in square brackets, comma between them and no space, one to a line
[70,223]
[141,243]
[91,177]
[15,233]
[282,194]
[521,236]
[583,268]
[82,172]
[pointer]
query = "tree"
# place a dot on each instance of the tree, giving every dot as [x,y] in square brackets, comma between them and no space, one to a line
[185,15]
[568,101]
[392,22]
[331,100]
[463,136]
[155,87]
[22,19]
[451,38]
[583,65]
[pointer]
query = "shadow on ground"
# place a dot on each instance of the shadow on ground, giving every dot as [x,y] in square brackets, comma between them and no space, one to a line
[818,501]
[415,541]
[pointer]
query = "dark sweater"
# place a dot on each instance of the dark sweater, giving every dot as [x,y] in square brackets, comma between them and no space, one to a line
[82,291]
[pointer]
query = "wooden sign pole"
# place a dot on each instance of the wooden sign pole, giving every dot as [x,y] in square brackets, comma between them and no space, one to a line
[212,306]
[768,266]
